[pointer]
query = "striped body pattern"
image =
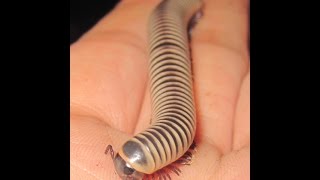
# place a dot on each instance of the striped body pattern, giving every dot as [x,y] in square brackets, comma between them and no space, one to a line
[173,126]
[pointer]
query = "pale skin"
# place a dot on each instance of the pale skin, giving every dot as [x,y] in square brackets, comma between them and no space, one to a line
[110,99]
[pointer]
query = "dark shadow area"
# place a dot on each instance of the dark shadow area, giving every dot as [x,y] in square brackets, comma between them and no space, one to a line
[86,13]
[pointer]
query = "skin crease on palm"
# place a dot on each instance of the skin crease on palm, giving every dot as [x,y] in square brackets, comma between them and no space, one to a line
[110,99]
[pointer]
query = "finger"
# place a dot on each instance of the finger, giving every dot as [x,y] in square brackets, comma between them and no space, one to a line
[89,138]
[224,23]
[109,66]
[235,165]
[145,113]
[220,61]
[241,136]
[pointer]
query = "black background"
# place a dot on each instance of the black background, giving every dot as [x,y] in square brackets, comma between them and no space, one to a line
[85,13]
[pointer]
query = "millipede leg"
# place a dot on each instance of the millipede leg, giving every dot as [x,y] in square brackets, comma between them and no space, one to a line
[193,146]
[186,159]
[174,169]
[163,175]
[167,174]
[160,176]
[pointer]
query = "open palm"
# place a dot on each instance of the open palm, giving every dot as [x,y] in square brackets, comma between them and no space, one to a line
[110,97]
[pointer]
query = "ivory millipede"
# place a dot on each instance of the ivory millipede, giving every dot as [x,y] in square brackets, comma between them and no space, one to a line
[173,125]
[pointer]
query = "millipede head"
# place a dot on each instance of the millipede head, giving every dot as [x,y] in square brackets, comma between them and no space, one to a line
[123,169]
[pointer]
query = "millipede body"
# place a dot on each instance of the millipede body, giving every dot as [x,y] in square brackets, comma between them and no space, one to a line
[173,125]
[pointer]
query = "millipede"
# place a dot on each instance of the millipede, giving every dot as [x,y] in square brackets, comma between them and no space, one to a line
[173,119]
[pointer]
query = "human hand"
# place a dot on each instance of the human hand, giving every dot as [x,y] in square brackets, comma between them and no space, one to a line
[110,97]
